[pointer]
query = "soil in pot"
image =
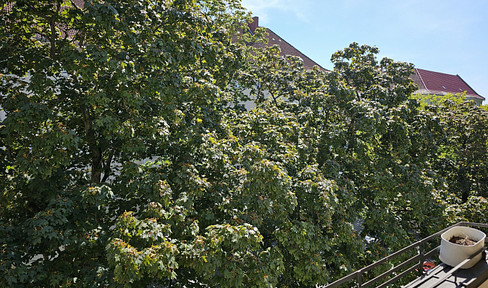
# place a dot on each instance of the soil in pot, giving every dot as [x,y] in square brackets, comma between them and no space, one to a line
[462,241]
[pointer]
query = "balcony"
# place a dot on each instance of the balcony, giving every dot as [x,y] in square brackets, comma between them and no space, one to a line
[442,275]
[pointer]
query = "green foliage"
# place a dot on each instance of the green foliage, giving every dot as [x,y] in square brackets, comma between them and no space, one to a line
[88,91]
[462,157]
[140,252]
[128,160]
[233,257]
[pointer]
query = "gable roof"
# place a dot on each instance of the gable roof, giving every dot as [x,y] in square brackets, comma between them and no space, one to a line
[286,48]
[430,82]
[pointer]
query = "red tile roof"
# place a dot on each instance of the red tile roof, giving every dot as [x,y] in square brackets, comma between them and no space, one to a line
[286,48]
[431,82]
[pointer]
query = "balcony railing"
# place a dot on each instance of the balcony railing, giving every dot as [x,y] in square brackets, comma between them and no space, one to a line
[412,264]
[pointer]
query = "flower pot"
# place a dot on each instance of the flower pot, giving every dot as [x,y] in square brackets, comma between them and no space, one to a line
[452,254]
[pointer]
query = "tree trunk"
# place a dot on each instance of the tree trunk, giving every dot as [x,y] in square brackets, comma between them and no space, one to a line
[96,160]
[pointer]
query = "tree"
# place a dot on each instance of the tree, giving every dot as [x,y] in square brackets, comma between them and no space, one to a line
[89,89]
[127,159]
[384,148]
[352,140]
[462,138]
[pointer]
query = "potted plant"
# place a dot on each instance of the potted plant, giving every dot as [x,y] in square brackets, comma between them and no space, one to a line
[460,243]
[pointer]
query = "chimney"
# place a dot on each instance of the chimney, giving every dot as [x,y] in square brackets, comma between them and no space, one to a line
[254,24]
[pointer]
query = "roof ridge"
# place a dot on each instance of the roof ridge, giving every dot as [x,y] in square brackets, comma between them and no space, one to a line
[470,87]
[422,79]
[282,39]
[435,72]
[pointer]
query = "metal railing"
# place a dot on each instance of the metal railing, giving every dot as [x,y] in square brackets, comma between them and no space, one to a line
[414,263]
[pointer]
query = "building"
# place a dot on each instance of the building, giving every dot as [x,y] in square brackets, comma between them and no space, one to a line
[436,83]
[429,82]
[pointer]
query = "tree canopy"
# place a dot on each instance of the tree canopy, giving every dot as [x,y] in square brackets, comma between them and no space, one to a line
[128,159]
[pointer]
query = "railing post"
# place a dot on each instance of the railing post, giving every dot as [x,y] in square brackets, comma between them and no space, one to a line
[360,276]
[421,259]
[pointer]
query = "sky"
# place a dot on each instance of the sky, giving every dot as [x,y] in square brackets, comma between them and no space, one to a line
[439,35]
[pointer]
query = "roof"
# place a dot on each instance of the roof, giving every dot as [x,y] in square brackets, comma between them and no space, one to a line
[286,48]
[430,82]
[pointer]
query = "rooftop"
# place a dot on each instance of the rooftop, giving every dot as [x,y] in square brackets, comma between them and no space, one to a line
[430,82]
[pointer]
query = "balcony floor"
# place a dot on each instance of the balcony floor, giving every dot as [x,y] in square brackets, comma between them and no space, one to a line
[470,278]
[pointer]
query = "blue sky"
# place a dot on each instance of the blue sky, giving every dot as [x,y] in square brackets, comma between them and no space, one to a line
[445,36]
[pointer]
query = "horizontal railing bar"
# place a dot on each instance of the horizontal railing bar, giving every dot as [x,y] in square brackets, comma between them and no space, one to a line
[431,252]
[391,256]
[354,275]
[415,244]
[344,279]
[440,232]
[482,225]
[409,270]
[394,269]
